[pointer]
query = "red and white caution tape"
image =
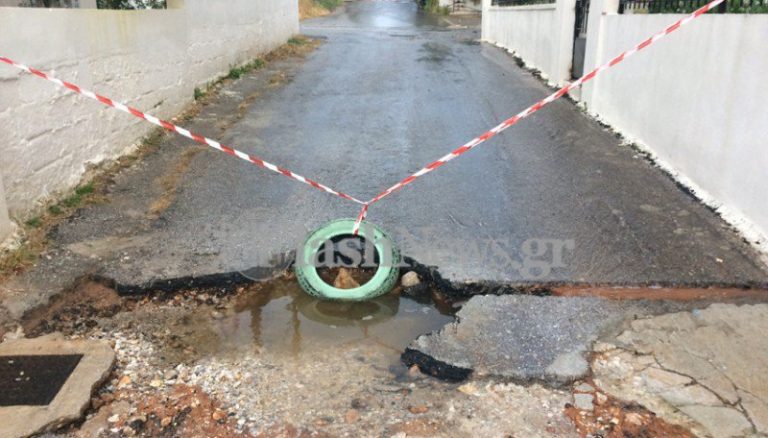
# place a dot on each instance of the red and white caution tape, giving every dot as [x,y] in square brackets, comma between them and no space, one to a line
[535,107]
[179,130]
[428,168]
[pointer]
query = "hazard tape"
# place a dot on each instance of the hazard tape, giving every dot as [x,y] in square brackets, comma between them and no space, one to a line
[533,108]
[425,170]
[179,130]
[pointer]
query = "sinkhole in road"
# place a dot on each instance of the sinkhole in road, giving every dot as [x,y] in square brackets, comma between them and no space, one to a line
[277,316]
[341,271]
[270,318]
[265,351]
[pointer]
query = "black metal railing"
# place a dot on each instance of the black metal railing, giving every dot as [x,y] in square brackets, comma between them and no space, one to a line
[101,4]
[131,4]
[582,18]
[686,6]
[45,4]
[520,2]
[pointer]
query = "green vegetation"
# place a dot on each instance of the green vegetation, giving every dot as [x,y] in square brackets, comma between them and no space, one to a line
[434,7]
[329,4]
[236,72]
[317,8]
[76,199]
[37,227]
[34,222]
[739,7]
[23,256]
[685,7]
[296,41]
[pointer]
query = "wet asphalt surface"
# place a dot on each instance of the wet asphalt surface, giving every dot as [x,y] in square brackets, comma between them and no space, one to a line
[389,90]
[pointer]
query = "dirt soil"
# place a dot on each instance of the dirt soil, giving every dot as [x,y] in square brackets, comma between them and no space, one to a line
[257,362]
[177,375]
[613,418]
[310,9]
[181,411]
[74,310]
[346,278]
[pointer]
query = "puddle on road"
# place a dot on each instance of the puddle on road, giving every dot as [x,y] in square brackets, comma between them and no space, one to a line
[279,318]
[273,320]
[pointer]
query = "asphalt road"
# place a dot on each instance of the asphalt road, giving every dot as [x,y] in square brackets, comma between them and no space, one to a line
[389,90]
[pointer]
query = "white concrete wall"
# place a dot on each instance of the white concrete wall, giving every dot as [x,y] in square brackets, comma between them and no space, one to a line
[697,100]
[542,35]
[151,59]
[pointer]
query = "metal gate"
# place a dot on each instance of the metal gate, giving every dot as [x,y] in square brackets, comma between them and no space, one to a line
[580,38]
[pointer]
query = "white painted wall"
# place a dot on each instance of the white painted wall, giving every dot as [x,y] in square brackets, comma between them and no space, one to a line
[542,35]
[151,59]
[697,100]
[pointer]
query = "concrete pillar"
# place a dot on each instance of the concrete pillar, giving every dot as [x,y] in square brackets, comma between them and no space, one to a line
[5,221]
[593,54]
[563,51]
[484,20]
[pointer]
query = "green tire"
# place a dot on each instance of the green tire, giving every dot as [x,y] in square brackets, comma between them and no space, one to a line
[383,280]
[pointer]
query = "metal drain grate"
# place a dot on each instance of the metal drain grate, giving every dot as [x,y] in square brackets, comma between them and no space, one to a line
[34,380]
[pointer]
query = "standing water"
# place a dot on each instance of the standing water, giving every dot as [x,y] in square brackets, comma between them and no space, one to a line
[279,318]
[271,356]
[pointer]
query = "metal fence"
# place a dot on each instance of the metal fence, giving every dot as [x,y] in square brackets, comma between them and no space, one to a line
[47,4]
[101,4]
[686,6]
[131,4]
[520,2]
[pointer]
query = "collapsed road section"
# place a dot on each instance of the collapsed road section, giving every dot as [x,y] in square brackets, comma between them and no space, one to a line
[158,268]
[255,358]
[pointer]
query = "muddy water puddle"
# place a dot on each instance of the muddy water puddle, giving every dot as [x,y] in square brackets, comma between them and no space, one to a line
[279,318]
[267,355]
[268,360]
[272,356]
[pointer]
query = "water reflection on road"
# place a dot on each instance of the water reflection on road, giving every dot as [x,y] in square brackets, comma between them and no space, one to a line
[281,319]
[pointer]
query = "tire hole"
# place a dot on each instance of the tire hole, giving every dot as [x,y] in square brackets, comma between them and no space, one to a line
[347,261]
